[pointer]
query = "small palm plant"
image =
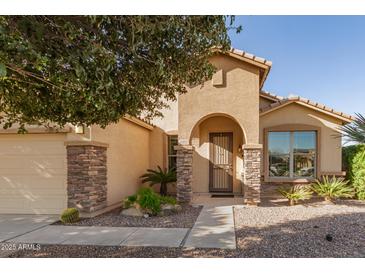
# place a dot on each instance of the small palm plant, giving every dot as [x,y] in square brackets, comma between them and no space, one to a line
[355,132]
[159,176]
[332,188]
[295,193]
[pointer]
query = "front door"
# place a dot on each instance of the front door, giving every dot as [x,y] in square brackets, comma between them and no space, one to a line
[220,162]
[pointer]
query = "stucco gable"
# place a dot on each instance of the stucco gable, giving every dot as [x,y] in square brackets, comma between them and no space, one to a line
[259,62]
[308,104]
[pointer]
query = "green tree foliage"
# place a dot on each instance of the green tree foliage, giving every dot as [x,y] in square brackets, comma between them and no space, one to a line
[95,69]
[354,163]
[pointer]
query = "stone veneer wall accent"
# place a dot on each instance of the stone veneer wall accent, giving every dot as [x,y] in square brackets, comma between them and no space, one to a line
[184,173]
[251,174]
[87,177]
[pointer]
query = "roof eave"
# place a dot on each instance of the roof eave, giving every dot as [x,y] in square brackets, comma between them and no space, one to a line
[281,104]
[263,64]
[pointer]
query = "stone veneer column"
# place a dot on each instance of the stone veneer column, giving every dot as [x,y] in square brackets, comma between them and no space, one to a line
[184,173]
[86,176]
[252,173]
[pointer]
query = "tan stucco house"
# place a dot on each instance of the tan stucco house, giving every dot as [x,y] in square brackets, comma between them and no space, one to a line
[227,136]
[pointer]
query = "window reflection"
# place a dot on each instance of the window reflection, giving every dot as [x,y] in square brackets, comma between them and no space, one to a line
[292,154]
[279,154]
[304,150]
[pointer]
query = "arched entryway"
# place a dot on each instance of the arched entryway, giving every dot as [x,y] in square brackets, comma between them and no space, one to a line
[217,141]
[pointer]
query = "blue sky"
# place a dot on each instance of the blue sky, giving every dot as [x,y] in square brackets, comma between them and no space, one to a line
[317,57]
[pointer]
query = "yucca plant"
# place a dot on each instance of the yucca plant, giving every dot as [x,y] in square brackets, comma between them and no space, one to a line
[295,193]
[332,188]
[159,176]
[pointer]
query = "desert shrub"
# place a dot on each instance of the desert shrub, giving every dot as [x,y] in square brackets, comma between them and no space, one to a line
[167,200]
[354,163]
[332,188]
[295,193]
[129,201]
[149,200]
[70,215]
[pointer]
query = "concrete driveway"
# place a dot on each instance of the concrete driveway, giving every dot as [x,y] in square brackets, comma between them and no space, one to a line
[15,225]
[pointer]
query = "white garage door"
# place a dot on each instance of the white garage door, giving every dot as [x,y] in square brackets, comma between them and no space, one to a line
[33,172]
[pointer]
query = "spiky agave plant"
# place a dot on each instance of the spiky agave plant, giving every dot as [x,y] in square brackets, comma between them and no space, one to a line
[296,193]
[355,132]
[159,176]
[332,188]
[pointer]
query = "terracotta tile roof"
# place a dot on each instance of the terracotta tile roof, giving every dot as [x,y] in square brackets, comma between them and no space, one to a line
[309,103]
[251,56]
[263,64]
[140,121]
[271,95]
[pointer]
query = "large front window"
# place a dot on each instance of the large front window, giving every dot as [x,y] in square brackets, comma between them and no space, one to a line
[292,154]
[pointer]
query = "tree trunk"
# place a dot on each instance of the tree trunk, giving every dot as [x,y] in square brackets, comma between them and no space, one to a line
[163,189]
[291,202]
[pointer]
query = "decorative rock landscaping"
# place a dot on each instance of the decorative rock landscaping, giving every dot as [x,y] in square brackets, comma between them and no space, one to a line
[302,230]
[183,217]
[132,211]
[315,229]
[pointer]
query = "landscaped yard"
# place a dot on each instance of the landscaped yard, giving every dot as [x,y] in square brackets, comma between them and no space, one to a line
[301,231]
[314,229]
[181,219]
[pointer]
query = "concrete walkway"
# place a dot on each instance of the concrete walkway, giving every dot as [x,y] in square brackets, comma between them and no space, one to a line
[214,228]
[104,236]
[15,225]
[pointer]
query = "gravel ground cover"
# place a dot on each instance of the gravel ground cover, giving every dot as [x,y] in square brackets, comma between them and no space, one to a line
[310,230]
[183,219]
[72,251]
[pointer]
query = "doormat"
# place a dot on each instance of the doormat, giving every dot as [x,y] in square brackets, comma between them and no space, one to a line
[222,196]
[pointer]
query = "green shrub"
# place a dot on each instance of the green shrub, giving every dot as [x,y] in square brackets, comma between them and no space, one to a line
[354,163]
[295,193]
[132,198]
[70,215]
[167,200]
[129,201]
[149,200]
[332,188]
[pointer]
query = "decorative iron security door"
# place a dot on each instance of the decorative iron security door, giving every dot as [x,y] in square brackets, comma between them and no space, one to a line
[220,164]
